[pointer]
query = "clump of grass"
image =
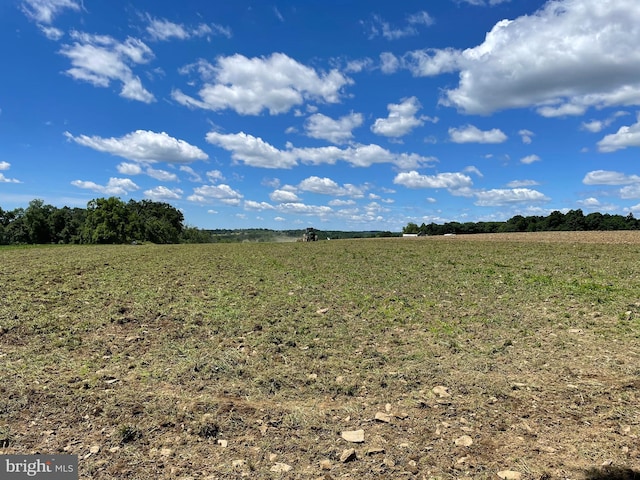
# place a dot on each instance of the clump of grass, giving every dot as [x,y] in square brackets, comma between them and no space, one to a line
[129,434]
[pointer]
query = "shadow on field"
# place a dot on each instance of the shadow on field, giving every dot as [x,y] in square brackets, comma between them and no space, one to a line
[612,473]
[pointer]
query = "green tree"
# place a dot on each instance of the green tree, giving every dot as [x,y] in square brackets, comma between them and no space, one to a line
[411,228]
[37,219]
[106,221]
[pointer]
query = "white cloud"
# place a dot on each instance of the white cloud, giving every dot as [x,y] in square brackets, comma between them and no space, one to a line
[627,136]
[193,176]
[326,186]
[608,177]
[284,196]
[259,206]
[163,193]
[143,146]
[52,33]
[100,59]
[389,63]
[472,134]
[255,152]
[595,126]
[472,169]
[335,131]
[115,186]
[44,11]
[590,202]
[161,175]
[530,159]
[630,191]
[526,136]
[401,120]
[250,85]
[303,209]
[222,192]
[563,59]
[500,197]
[5,166]
[522,183]
[451,181]
[341,203]
[129,168]
[379,27]
[214,175]
[162,29]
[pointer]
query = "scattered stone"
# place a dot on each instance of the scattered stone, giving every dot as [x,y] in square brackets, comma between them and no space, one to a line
[166,452]
[223,443]
[312,376]
[375,450]
[509,475]
[387,408]
[114,449]
[348,455]
[401,415]
[272,457]
[321,311]
[354,436]
[463,441]
[94,449]
[441,391]
[325,464]
[412,467]
[281,468]
[383,417]
[389,463]
[607,463]
[575,330]
[238,463]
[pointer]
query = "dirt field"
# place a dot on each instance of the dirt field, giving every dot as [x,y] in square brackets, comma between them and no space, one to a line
[489,356]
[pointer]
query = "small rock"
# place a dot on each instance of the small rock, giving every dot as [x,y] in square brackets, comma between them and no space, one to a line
[375,450]
[607,463]
[325,464]
[166,452]
[412,467]
[348,455]
[509,475]
[389,463]
[441,391]
[272,457]
[312,376]
[463,441]
[383,417]
[354,436]
[223,443]
[387,408]
[321,311]
[114,449]
[94,449]
[238,463]
[281,468]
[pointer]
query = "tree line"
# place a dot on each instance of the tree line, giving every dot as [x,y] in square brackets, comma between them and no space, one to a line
[104,221]
[573,220]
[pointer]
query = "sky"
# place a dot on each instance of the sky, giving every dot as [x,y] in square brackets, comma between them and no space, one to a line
[338,114]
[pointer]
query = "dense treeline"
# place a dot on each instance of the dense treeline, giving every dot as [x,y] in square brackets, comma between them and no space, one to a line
[105,220]
[573,220]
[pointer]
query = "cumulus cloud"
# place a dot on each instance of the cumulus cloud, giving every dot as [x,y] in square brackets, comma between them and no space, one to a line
[250,85]
[129,168]
[208,193]
[193,176]
[161,175]
[303,209]
[335,131]
[452,181]
[526,136]
[162,29]
[284,196]
[389,63]
[627,136]
[100,59]
[259,206]
[567,57]
[501,197]
[143,146]
[595,126]
[401,120]
[608,177]
[44,11]
[530,159]
[5,166]
[255,152]
[115,186]
[327,186]
[472,134]
[161,193]
[379,27]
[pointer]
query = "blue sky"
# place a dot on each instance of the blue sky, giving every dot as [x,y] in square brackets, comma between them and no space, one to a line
[347,115]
